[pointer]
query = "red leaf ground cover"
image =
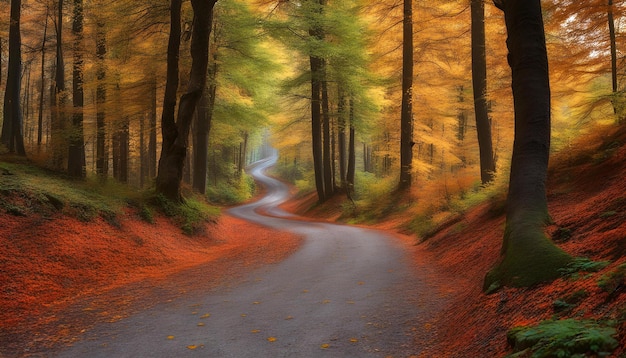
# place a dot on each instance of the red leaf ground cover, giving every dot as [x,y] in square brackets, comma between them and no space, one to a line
[51,267]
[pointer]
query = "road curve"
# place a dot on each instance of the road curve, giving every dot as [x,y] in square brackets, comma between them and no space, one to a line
[344,293]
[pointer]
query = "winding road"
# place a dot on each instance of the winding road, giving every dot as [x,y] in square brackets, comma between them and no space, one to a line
[347,292]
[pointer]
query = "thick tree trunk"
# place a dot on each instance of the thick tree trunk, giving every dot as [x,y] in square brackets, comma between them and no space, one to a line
[479,82]
[176,135]
[617,103]
[12,135]
[102,157]
[529,257]
[76,152]
[57,134]
[341,141]
[406,120]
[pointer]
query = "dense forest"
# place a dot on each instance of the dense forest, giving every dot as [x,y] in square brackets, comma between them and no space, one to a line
[426,107]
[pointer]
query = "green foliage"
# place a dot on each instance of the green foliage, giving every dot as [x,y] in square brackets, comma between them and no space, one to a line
[563,338]
[582,264]
[375,197]
[570,301]
[191,215]
[234,191]
[613,280]
[28,189]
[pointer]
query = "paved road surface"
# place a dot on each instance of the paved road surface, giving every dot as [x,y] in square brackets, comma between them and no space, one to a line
[344,293]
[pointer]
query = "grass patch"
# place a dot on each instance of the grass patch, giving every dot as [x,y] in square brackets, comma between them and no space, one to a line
[190,215]
[582,264]
[563,338]
[232,191]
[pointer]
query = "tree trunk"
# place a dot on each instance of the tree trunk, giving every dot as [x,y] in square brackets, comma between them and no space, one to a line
[176,135]
[43,83]
[327,157]
[203,128]
[351,155]
[12,136]
[76,152]
[316,127]
[529,257]
[342,139]
[102,157]
[59,143]
[406,119]
[479,83]
[614,85]
[152,141]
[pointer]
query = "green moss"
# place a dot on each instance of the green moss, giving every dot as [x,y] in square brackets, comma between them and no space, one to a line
[582,264]
[529,256]
[563,338]
[570,301]
[612,280]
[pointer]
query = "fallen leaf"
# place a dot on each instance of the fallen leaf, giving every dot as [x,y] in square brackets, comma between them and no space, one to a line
[305,291]
[353,340]
[361,282]
[289,317]
[350,302]
[271,339]
[243,315]
[255,331]
[326,301]
[206,315]
[170,337]
[192,347]
[256,303]
[200,324]
[325,346]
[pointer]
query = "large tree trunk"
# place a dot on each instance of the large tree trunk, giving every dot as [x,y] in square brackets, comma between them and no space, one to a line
[12,135]
[76,152]
[102,156]
[341,141]
[176,135]
[479,82]
[529,257]
[406,119]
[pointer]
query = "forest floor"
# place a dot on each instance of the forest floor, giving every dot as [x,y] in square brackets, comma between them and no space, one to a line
[50,263]
[587,203]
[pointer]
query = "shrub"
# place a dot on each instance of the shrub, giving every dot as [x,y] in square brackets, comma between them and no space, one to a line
[563,338]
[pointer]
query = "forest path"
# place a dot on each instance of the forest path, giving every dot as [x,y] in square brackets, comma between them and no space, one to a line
[347,292]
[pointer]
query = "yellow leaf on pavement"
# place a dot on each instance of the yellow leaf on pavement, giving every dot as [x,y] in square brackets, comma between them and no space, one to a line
[271,339]
[325,346]
[170,337]
[192,347]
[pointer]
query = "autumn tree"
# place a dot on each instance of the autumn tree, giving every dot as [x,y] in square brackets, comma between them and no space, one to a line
[76,154]
[175,131]
[406,117]
[528,256]
[12,136]
[479,83]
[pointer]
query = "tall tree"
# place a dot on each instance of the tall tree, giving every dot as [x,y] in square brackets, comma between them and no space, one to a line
[316,33]
[12,132]
[479,83]
[611,21]
[406,116]
[60,96]
[528,256]
[76,153]
[102,157]
[176,133]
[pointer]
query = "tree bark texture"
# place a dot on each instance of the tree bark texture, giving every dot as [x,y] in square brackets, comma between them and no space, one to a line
[316,119]
[529,257]
[479,83]
[406,119]
[12,132]
[176,134]
[327,153]
[58,137]
[203,129]
[76,151]
[102,157]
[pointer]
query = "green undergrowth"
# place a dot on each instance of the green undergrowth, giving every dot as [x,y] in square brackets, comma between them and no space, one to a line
[26,190]
[563,338]
[233,191]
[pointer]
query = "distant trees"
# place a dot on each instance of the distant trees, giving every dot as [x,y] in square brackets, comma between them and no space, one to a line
[12,135]
[528,256]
